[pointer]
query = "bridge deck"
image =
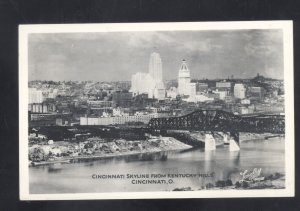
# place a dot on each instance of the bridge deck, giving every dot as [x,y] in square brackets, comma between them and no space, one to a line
[218,120]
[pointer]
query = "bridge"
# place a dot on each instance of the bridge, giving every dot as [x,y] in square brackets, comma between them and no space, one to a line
[221,121]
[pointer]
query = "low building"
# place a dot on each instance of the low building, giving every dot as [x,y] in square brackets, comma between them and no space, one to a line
[172,93]
[35,96]
[201,87]
[243,110]
[224,86]
[245,101]
[239,91]
[41,107]
[222,94]
[118,120]
[229,99]
[49,119]
[159,91]
[256,93]
[122,99]
[100,104]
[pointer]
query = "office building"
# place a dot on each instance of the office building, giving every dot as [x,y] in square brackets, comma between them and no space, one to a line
[256,93]
[41,107]
[116,120]
[122,99]
[142,83]
[239,91]
[222,94]
[35,96]
[192,90]
[150,83]
[159,91]
[184,79]
[223,84]
[201,87]
[155,67]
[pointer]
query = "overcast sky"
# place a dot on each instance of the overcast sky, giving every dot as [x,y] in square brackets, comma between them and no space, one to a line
[113,56]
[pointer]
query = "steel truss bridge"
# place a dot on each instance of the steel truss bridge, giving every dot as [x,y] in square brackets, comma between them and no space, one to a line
[221,121]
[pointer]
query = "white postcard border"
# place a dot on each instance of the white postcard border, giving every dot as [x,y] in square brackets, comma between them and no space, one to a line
[286,26]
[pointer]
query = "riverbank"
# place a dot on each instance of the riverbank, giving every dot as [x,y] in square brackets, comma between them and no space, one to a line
[97,148]
[153,145]
[243,137]
[272,181]
[257,136]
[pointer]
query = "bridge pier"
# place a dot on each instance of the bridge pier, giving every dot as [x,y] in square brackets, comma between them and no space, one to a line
[210,143]
[234,141]
[225,138]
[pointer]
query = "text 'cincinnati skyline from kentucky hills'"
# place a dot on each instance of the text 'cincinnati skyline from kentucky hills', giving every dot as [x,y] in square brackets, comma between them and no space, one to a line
[112,56]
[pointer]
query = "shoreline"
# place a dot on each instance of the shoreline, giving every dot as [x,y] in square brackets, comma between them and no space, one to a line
[267,183]
[257,137]
[103,156]
[126,153]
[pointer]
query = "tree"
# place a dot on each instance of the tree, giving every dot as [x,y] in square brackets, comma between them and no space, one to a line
[37,155]
[88,145]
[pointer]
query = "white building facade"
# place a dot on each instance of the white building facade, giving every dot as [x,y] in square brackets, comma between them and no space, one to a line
[184,79]
[142,83]
[155,67]
[116,120]
[35,96]
[150,83]
[239,91]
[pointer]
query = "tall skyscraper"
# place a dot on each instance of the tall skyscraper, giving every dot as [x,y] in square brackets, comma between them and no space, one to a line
[150,83]
[184,79]
[155,67]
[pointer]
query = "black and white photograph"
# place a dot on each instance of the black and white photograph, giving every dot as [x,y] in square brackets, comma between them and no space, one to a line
[156,110]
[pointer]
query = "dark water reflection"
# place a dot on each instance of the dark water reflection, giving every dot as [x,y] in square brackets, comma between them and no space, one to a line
[77,177]
[159,156]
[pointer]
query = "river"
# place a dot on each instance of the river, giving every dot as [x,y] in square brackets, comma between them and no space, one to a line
[221,164]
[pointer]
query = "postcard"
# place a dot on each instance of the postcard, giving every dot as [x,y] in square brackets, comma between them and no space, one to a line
[156,110]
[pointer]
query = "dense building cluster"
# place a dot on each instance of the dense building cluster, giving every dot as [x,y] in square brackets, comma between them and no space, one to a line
[148,96]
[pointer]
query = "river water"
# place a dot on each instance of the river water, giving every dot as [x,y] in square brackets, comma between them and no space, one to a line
[220,164]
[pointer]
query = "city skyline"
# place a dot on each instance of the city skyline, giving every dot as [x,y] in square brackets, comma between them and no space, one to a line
[107,57]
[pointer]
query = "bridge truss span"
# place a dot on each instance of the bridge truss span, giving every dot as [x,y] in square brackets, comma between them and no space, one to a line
[222,121]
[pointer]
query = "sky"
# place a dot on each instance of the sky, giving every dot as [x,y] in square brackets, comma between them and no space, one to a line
[115,56]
